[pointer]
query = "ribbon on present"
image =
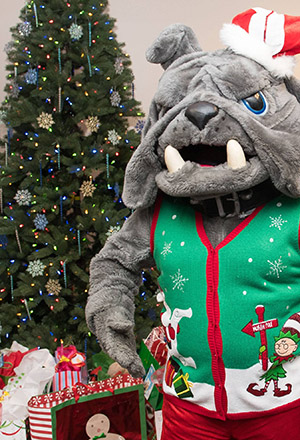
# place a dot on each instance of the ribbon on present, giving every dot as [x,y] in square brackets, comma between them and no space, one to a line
[75,389]
[69,359]
[183,387]
[78,394]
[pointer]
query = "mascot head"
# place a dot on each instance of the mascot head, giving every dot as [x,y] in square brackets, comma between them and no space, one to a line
[225,122]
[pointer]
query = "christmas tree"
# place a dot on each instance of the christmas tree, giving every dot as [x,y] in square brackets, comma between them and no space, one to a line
[70,99]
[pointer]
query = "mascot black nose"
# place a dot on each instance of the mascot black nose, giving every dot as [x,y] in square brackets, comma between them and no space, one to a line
[200,113]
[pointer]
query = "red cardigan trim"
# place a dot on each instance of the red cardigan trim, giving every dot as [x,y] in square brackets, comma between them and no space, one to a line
[154,221]
[214,335]
[231,236]
[299,236]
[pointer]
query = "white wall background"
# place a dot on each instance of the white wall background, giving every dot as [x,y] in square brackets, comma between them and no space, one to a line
[140,21]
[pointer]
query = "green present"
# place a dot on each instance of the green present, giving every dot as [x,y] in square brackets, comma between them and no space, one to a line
[152,394]
[181,385]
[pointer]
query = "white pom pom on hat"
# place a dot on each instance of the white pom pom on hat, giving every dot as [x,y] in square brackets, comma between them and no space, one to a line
[265,36]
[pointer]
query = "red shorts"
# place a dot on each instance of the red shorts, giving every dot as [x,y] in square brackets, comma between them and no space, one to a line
[181,424]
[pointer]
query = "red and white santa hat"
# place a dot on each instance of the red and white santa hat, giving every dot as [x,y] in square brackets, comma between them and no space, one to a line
[265,36]
[292,325]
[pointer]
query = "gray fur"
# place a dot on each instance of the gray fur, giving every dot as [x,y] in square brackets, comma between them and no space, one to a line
[270,141]
[175,41]
[223,79]
[115,280]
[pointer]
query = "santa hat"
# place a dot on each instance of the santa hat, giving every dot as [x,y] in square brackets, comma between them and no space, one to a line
[265,36]
[291,328]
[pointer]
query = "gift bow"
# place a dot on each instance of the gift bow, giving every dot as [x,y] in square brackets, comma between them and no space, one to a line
[69,359]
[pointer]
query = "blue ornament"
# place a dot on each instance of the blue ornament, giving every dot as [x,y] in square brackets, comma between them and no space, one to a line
[40,222]
[30,76]
[3,241]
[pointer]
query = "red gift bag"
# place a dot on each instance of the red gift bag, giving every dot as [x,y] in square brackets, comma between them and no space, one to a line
[101,415]
[117,402]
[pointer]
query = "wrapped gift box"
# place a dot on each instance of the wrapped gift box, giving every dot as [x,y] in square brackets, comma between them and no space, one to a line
[64,379]
[182,385]
[70,367]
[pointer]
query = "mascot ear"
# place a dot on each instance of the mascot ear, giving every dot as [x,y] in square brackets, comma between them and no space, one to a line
[293,86]
[140,189]
[176,40]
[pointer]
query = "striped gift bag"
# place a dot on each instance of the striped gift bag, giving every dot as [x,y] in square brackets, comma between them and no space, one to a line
[65,379]
[40,423]
[39,409]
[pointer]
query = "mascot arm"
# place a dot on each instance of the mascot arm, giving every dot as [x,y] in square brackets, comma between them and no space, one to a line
[115,277]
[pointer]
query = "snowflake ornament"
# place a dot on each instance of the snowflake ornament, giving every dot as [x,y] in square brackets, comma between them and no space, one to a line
[23,197]
[76,31]
[25,29]
[40,222]
[30,76]
[9,47]
[178,280]
[45,120]
[36,268]
[112,230]
[113,137]
[92,123]
[87,188]
[276,267]
[15,89]
[118,65]
[277,222]
[115,98]
[53,287]
[139,126]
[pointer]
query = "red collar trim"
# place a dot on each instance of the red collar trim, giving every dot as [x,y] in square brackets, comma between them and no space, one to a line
[204,238]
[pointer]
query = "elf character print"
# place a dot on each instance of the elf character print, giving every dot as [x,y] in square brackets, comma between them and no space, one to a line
[286,343]
[97,427]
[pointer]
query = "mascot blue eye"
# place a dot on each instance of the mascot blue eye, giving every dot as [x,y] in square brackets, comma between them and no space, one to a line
[256,103]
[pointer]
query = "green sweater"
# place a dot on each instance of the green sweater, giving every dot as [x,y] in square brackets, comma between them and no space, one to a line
[210,295]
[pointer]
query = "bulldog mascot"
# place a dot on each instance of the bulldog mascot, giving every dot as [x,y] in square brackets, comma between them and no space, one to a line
[215,188]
